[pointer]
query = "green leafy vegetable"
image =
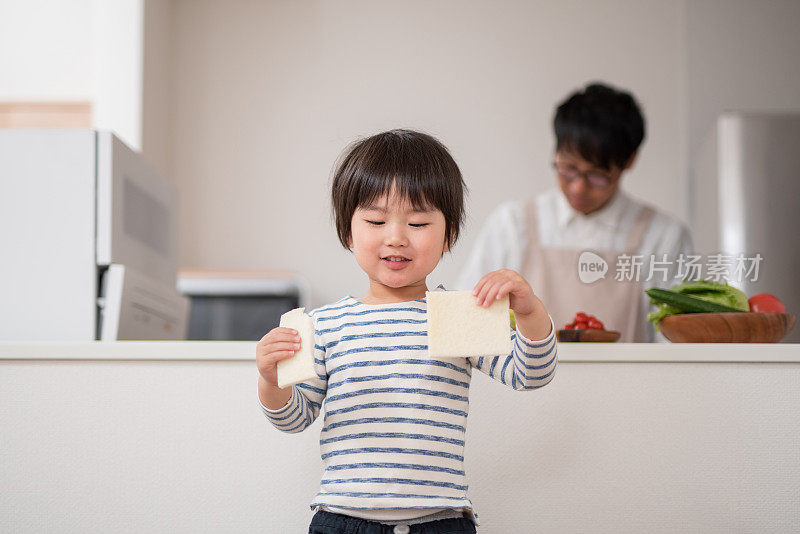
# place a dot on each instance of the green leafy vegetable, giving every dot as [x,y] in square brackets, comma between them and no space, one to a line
[703,289]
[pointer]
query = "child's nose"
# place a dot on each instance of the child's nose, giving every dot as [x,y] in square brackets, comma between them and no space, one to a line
[396,236]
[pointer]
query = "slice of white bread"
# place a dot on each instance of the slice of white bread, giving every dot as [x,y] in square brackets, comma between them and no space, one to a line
[459,328]
[299,367]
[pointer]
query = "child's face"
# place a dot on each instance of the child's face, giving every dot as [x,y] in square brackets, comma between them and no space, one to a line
[397,246]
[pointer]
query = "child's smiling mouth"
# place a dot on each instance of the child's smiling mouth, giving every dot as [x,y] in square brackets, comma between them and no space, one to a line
[395,262]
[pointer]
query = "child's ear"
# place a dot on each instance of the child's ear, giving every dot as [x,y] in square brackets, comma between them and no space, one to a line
[447,244]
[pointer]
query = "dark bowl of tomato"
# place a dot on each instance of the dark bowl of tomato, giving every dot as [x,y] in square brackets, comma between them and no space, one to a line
[586,327]
[590,335]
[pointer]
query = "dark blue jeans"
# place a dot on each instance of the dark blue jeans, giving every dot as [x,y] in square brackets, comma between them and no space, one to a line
[328,523]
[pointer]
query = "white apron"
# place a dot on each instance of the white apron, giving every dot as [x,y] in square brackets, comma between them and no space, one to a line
[553,274]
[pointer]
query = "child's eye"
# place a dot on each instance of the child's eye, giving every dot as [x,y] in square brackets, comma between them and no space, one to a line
[419,225]
[374,223]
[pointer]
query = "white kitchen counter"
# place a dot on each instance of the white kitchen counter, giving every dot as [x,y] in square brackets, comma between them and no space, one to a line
[169,437]
[245,350]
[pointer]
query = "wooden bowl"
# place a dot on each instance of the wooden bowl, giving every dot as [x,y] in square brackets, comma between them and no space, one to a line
[742,327]
[590,335]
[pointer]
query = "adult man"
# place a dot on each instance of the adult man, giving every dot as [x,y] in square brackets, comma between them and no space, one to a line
[598,133]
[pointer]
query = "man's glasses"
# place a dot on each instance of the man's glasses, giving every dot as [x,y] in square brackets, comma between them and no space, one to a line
[594,179]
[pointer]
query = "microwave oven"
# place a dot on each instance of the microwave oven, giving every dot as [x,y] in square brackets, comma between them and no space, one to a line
[239,305]
[88,234]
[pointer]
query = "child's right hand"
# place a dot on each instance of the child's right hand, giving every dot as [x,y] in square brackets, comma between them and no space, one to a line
[279,344]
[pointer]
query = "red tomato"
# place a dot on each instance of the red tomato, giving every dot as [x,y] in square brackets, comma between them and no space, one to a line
[766,303]
[581,317]
[580,325]
[595,324]
[569,326]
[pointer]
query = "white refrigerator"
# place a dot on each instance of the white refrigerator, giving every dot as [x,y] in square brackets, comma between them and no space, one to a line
[87,241]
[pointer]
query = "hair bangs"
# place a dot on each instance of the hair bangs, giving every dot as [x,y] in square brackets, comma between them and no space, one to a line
[412,166]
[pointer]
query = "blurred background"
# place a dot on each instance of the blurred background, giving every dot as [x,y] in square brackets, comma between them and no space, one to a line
[239,109]
[245,105]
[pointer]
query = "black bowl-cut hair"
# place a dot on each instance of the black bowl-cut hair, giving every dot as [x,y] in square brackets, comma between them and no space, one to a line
[417,165]
[603,125]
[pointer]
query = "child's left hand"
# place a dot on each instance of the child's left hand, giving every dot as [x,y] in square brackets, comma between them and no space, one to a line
[531,316]
[498,284]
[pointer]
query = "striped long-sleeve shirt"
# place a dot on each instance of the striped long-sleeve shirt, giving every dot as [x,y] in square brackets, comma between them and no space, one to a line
[395,419]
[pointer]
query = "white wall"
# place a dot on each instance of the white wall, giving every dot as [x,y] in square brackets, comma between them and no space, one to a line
[45,50]
[157,139]
[117,51]
[81,50]
[267,94]
[743,55]
[149,446]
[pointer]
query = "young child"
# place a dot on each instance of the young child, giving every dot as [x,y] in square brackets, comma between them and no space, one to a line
[395,420]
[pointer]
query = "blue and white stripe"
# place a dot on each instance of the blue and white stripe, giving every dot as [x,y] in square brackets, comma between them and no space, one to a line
[395,420]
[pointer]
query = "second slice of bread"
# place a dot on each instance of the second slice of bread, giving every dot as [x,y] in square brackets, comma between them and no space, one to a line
[459,328]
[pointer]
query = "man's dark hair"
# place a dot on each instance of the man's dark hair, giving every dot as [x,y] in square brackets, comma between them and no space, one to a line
[601,124]
[419,167]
